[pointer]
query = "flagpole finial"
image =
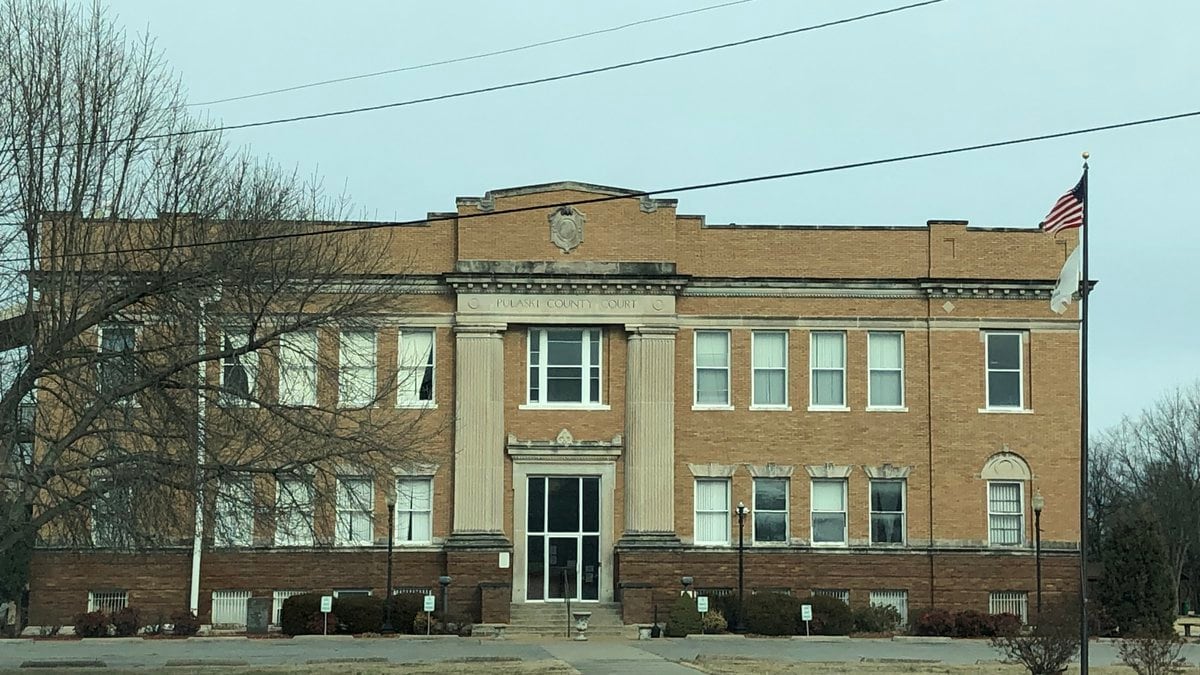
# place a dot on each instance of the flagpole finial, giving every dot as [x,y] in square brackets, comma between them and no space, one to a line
[1086,154]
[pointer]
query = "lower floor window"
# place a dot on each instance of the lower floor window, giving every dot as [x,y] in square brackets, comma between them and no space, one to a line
[842,594]
[712,512]
[277,599]
[107,601]
[1009,602]
[229,608]
[897,599]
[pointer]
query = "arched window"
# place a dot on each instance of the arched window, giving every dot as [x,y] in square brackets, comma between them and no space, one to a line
[1006,474]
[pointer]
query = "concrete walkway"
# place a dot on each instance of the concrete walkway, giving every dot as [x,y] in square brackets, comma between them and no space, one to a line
[613,658]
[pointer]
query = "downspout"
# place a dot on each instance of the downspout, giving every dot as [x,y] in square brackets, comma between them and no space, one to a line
[198,522]
[929,401]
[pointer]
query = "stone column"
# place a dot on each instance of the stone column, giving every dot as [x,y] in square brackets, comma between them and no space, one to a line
[650,436]
[479,435]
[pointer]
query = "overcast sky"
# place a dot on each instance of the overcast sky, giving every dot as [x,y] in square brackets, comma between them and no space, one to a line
[956,73]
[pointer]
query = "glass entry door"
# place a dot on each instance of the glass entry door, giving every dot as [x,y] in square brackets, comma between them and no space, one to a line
[563,541]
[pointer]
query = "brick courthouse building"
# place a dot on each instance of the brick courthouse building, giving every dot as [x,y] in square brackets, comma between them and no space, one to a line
[885,402]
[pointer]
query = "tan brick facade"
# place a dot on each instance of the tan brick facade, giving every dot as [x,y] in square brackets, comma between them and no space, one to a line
[943,286]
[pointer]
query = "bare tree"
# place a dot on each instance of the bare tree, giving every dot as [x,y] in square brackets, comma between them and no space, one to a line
[170,360]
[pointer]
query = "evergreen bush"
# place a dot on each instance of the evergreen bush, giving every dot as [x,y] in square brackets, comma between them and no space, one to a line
[683,619]
[125,622]
[831,616]
[296,616]
[1136,589]
[875,619]
[772,614]
[358,613]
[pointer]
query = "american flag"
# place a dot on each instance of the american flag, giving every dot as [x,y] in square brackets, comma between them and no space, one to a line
[1068,210]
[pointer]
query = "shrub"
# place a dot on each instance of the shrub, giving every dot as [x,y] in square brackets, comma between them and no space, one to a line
[92,624]
[683,619]
[714,621]
[405,608]
[970,623]
[422,623]
[184,623]
[727,605]
[1136,588]
[934,622]
[1004,624]
[320,623]
[126,622]
[297,614]
[1148,654]
[772,614]
[359,613]
[830,616]
[1049,647]
[875,619]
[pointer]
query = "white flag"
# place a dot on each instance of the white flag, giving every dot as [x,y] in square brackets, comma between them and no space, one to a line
[1068,281]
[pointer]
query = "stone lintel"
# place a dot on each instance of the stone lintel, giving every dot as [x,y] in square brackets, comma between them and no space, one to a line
[644,540]
[648,307]
[829,470]
[885,471]
[771,470]
[712,470]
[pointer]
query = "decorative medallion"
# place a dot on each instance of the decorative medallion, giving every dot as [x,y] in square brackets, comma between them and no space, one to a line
[566,227]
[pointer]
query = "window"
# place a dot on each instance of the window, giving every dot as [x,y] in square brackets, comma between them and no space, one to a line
[117,362]
[294,504]
[887,511]
[712,368]
[355,511]
[107,601]
[1004,369]
[351,592]
[770,510]
[828,362]
[298,368]
[770,368]
[564,366]
[829,511]
[239,371]
[712,512]
[229,608]
[1006,513]
[415,371]
[356,371]
[277,599]
[842,594]
[885,366]
[897,599]
[234,524]
[414,506]
[1009,602]
[111,507]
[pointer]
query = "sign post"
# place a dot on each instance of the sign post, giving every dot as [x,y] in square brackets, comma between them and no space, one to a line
[806,614]
[430,604]
[702,607]
[326,608]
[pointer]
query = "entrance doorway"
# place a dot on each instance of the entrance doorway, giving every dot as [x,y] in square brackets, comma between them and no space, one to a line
[562,547]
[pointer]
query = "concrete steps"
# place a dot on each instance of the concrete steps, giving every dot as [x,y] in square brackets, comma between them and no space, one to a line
[549,620]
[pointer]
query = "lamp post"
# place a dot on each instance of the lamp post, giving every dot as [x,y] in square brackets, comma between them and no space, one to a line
[445,583]
[741,516]
[1039,503]
[387,629]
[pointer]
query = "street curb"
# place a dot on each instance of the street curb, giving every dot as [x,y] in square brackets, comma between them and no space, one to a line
[922,639]
[112,639]
[348,659]
[721,636]
[64,664]
[216,638]
[176,663]
[321,638]
[821,638]
[15,640]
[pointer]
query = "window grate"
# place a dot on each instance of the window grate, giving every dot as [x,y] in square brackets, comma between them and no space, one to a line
[107,601]
[277,599]
[842,594]
[229,608]
[897,599]
[1009,602]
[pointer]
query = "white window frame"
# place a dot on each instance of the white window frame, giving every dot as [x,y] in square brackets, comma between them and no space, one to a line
[871,405]
[408,373]
[754,369]
[696,368]
[298,361]
[102,509]
[1001,602]
[345,513]
[845,513]
[239,338]
[755,510]
[370,387]
[812,371]
[897,598]
[283,537]
[277,598]
[696,512]
[903,511]
[130,400]
[238,508]
[230,607]
[586,368]
[107,601]
[988,370]
[1020,514]
[401,536]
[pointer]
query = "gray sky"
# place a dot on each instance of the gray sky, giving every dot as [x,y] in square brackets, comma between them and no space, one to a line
[957,73]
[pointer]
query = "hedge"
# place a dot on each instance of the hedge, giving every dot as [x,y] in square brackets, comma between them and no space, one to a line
[684,619]
[296,617]
[405,608]
[967,623]
[358,614]
[831,616]
[772,614]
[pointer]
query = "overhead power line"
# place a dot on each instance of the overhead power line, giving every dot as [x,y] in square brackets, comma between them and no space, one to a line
[472,57]
[500,87]
[648,193]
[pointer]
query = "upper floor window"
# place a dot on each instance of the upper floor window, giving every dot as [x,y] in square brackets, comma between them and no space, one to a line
[234,524]
[415,369]
[355,510]
[770,510]
[829,511]
[298,368]
[414,510]
[117,363]
[885,366]
[1005,388]
[770,368]
[712,511]
[294,512]
[239,369]
[1006,513]
[887,512]
[564,366]
[828,362]
[356,371]
[712,368]
[111,507]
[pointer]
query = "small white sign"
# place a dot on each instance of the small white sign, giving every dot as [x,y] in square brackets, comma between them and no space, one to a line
[806,612]
[326,603]
[430,601]
[505,560]
[702,604]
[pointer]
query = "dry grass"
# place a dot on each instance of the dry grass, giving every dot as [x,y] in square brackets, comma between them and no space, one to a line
[541,667]
[739,666]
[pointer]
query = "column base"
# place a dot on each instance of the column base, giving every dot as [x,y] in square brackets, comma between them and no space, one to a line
[478,541]
[648,540]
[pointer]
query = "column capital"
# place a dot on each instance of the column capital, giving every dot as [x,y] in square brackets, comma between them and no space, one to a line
[480,329]
[650,331]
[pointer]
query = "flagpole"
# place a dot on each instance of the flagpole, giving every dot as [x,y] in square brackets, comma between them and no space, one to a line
[1083,433]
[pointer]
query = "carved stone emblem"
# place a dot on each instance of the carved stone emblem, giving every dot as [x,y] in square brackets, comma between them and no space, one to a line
[565,438]
[566,227]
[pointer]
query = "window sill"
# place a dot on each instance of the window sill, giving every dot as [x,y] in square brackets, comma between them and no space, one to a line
[712,544]
[824,544]
[417,405]
[888,544]
[564,406]
[887,408]
[770,408]
[770,544]
[703,407]
[353,544]
[1006,411]
[828,408]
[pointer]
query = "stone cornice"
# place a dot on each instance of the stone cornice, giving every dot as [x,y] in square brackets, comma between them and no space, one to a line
[564,447]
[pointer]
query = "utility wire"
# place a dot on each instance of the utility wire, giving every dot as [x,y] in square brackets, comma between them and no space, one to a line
[472,57]
[498,87]
[646,193]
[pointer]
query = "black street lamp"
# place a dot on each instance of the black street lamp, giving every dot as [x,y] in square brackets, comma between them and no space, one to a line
[741,516]
[445,582]
[1039,503]
[387,629]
